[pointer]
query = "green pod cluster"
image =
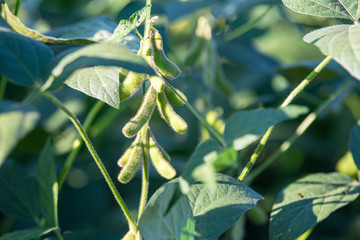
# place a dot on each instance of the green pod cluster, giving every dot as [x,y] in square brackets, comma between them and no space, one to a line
[130,84]
[169,115]
[154,54]
[131,160]
[157,83]
[174,98]
[143,115]
[160,159]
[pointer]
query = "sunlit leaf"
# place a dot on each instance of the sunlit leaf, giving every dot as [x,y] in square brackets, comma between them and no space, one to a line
[308,201]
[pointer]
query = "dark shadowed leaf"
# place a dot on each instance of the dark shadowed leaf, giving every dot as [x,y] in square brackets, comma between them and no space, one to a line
[232,8]
[16,121]
[91,234]
[245,127]
[27,234]
[355,144]
[308,201]
[22,60]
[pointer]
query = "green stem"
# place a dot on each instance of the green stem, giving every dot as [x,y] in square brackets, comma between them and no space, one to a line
[58,234]
[147,19]
[77,144]
[96,157]
[2,87]
[145,170]
[217,136]
[304,125]
[16,11]
[286,102]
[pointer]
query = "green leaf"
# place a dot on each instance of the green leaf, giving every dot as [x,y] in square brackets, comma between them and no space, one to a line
[16,121]
[27,234]
[104,54]
[19,192]
[46,176]
[349,9]
[100,82]
[340,42]
[209,212]
[22,60]
[245,127]
[126,26]
[308,201]
[90,234]
[355,143]
[19,27]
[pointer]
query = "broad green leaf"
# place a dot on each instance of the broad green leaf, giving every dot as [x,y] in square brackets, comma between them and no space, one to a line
[245,127]
[46,176]
[206,212]
[19,192]
[104,54]
[308,201]
[19,27]
[126,26]
[349,9]
[100,82]
[162,221]
[22,60]
[355,144]
[16,121]
[27,234]
[342,42]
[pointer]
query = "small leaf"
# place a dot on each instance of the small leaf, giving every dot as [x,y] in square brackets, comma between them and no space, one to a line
[19,192]
[340,42]
[308,201]
[27,234]
[326,8]
[245,127]
[16,121]
[22,60]
[355,143]
[46,176]
[100,82]
[104,54]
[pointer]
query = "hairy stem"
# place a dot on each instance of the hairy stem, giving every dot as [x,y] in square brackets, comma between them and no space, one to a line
[77,144]
[217,136]
[96,157]
[145,170]
[2,87]
[58,234]
[286,102]
[16,11]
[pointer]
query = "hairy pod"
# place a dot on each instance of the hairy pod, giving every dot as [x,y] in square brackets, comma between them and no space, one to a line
[154,54]
[130,85]
[157,83]
[169,115]
[136,155]
[174,98]
[143,115]
[129,236]
[123,160]
[160,159]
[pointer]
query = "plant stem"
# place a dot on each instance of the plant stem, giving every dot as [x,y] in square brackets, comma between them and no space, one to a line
[16,11]
[147,19]
[77,144]
[99,163]
[145,170]
[2,87]
[217,136]
[58,234]
[304,125]
[286,102]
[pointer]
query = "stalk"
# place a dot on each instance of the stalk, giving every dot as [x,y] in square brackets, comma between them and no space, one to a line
[145,170]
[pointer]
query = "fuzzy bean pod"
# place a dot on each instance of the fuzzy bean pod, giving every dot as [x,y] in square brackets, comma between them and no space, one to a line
[169,115]
[130,85]
[157,83]
[174,98]
[123,160]
[143,115]
[129,236]
[160,159]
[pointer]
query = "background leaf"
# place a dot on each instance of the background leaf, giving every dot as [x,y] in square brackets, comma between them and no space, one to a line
[19,192]
[245,127]
[22,60]
[326,8]
[16,121]
[355,144]
[47,179]
[100,82]
[308,201]
[27,234]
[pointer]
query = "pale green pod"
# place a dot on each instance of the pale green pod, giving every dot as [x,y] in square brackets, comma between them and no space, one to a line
[129,170]
[174,98]
[130,85]
[169,115]
[126,155]
[157,83]
[143,115]
[160,159]
[129,236]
